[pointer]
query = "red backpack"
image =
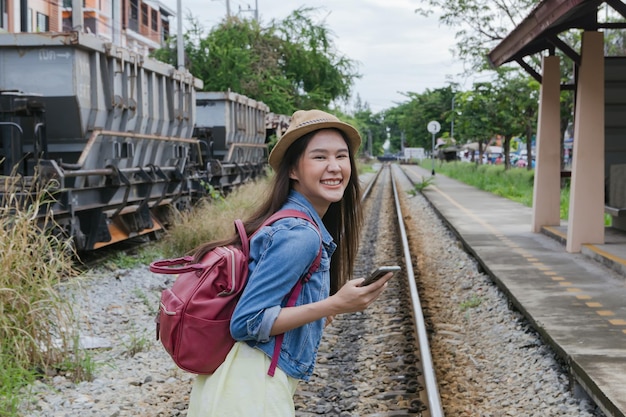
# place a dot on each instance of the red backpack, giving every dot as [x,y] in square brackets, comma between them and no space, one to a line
[193,322]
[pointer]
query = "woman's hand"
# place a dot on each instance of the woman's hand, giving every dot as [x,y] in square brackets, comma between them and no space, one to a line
[351,297]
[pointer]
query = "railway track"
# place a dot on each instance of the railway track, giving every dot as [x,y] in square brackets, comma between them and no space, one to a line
[377,362]
[489,361]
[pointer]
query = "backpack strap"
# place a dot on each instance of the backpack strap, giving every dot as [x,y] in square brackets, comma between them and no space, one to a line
[295,291]
[184,263]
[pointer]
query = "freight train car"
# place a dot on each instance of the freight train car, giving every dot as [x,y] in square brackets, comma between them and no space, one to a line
[111,129]
[232,133]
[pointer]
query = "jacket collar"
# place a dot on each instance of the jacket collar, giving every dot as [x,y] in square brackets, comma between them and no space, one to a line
[299,202]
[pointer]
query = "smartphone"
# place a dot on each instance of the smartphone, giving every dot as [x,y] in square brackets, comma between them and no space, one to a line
[379,272]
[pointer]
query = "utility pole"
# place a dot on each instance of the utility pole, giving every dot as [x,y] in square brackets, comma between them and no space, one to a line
[452,121]
[256,10]
[180,56]
[227,8]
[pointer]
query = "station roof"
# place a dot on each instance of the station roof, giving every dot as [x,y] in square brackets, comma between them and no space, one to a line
[539,30]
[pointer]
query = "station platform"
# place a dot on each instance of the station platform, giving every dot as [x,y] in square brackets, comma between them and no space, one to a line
[577,302]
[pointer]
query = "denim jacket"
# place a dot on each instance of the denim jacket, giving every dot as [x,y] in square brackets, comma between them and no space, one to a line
[280,254]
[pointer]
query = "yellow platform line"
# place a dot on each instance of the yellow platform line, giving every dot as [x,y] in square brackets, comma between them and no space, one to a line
[605,254]
[556,232]
[530,258]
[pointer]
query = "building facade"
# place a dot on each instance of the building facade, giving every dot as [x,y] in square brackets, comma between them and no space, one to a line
[139,25]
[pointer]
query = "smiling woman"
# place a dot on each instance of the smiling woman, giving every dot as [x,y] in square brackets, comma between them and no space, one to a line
[320,173]
[315,174]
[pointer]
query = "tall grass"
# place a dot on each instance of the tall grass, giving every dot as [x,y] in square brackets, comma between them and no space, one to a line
[34,317]
[211,219]
[515,184]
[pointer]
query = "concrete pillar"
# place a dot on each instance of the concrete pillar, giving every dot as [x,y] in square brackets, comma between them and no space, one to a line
[547,188]
[586,207]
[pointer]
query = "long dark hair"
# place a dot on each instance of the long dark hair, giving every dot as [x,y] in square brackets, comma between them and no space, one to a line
[342,219]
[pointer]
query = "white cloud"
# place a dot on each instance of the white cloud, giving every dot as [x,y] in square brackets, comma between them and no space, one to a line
[398,50]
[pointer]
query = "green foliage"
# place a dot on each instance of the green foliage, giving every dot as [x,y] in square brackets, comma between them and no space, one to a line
[480,24]
[122,260]
[421,185]
[34,316]
[472,302]
[212,192]
[515,184]
[78,364]
[288,65]
[136,343]
[13,379]
[211,219]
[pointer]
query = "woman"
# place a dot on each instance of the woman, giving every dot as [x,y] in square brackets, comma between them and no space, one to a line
[315,174]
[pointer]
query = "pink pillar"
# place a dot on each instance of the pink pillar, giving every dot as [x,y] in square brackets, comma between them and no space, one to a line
[547,187]
[586,206]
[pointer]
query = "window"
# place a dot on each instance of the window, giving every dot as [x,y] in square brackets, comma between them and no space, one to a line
[4,16]
[134,10]
[133,21]
[144,14]
[43,22]
[29,18]
[155,20]
[165,30]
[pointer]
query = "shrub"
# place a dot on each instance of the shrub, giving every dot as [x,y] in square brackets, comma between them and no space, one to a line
[34,317]
[211,219]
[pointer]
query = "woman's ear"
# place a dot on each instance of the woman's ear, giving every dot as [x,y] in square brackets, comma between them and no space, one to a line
[292,174]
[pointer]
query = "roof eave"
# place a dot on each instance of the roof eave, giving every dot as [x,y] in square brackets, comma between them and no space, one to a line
[541,19]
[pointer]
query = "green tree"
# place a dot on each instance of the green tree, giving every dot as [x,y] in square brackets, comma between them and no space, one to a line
[480,24]
[518,97]
[412,117]
[476,114]
[289,64]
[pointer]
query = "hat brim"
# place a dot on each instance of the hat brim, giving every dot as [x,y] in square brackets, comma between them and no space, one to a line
[278,152]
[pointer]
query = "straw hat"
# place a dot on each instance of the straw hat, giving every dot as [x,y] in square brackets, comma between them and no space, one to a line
[305,121]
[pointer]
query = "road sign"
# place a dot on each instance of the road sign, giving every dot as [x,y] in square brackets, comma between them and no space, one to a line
[434,127]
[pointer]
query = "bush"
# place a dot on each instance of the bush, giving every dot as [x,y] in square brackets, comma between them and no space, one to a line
[515,183]
[34,317]
[211,219]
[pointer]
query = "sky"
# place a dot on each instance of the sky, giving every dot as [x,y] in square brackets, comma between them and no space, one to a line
[397,50]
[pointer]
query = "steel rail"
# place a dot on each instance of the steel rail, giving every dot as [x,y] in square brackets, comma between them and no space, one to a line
[428,371]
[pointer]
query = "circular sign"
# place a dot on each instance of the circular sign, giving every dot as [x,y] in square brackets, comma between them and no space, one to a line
[434,127]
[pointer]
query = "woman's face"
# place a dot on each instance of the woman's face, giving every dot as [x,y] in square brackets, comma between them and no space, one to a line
[323,171]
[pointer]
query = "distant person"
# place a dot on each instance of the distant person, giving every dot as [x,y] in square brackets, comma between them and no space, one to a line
[315,173]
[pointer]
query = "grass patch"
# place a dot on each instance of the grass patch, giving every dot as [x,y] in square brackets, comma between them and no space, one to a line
[78,365]
[34,317]
[137,343]
[211,219]
[421,185]
[143,256]
[365,167]
[472,302]
[515,183]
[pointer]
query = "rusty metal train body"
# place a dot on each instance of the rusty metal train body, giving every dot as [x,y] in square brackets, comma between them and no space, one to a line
[121,137]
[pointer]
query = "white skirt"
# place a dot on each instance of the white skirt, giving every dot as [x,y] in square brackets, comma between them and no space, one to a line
[240,387]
